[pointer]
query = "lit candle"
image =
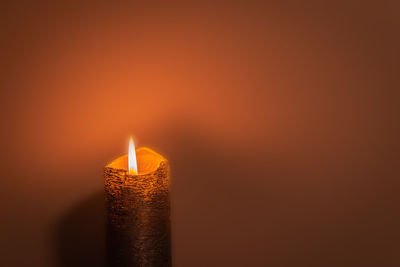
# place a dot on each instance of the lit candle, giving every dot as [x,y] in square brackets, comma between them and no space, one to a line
[138,209]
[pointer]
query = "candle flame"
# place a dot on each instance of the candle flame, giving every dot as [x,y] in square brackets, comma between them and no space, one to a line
[132,158]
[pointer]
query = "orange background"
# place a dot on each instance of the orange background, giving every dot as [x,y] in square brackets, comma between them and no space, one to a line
[280,120]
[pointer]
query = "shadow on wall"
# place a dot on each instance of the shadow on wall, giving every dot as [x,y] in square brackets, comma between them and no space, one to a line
[254,207]
[80,234]
[197,217]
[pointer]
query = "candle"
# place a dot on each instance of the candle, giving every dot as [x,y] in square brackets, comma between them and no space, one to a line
[138,209]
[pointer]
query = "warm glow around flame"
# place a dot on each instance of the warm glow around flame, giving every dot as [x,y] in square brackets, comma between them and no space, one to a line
[132,158]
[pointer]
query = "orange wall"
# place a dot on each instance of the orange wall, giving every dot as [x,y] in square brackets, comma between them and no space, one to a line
[280,121]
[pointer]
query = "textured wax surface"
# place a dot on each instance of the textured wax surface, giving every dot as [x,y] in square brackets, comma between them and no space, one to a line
[138,217]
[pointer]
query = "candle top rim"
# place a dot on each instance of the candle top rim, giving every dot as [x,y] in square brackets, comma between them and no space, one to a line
[147,159]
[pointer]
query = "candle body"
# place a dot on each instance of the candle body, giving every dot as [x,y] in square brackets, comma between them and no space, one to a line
[138,212]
